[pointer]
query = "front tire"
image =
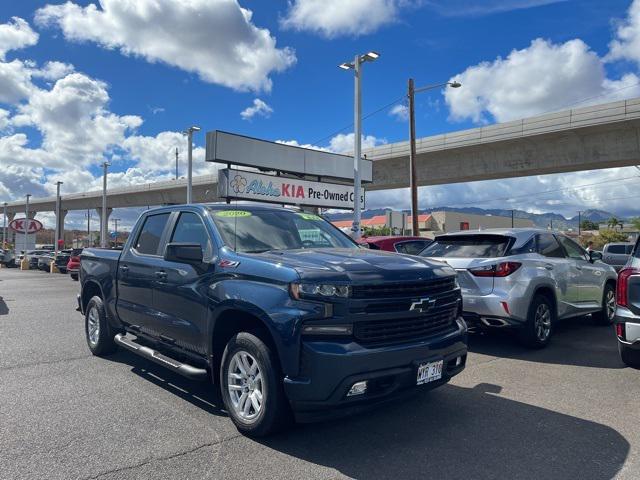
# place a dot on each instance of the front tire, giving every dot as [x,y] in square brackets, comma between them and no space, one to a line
[607,314]
[537,331]
[251,386]
[97,329]
[629,356]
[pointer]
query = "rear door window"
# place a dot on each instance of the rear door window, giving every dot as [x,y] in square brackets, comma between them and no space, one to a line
[629,249]
[548,246]
[468,246]
[411,247]
[148,240]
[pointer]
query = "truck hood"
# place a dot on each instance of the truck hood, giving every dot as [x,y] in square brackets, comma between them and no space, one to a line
[357,265]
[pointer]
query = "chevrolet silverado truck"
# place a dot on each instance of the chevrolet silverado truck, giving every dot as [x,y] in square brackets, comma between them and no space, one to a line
[280,310]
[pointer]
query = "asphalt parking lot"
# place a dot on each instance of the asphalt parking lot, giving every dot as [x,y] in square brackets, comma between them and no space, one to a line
[570,411]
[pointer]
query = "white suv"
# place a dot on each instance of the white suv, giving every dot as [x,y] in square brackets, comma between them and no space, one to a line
[526,279]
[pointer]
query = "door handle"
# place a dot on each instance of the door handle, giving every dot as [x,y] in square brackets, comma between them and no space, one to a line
[124,268]
[548,266]
[161,275]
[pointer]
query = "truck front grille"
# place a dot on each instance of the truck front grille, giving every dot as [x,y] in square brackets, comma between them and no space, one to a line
[403,290]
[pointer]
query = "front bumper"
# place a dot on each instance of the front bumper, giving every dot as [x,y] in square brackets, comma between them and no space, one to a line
[329,369]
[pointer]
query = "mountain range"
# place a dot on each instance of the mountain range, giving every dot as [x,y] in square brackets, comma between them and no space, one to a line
[542,220]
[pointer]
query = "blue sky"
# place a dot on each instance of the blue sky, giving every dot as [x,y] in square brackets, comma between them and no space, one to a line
[143,79]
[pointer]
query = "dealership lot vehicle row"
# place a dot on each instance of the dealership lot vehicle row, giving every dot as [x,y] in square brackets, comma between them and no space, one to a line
[569,411]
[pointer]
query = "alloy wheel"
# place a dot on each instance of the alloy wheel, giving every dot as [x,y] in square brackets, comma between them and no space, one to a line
[245,386]
[610,302]
[93,326]
[543,322]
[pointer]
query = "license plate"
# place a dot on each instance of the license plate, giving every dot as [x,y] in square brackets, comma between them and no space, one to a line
[429,372]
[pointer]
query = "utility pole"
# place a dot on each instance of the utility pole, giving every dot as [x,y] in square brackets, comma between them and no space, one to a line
[26,224]
[4,226]
[176,163]
[512,219]
[115,221]
[415,226]
[88,227]
[579,223]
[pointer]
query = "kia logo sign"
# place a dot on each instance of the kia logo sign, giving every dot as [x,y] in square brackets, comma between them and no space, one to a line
[19,224]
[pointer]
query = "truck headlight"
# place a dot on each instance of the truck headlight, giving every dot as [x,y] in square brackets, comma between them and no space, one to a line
[300,290]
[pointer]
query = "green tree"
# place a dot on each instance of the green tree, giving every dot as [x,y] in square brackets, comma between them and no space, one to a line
[613,222]
[608,236]
[588,225]
[636,223]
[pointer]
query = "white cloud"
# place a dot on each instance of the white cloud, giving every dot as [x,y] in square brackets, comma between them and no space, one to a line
[484,7]
[400,112]
[15,81]
[259,108]
[626,44]
[15,35]
[341,143]
[54,70]
[540,78]
[334,18]
[215,39]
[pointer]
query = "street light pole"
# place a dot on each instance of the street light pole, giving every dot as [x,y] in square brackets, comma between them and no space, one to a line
[103,223]
[26,223]
[189,133]
[356,66]
[57,229]
[176,163]
[413,181]
[579,223]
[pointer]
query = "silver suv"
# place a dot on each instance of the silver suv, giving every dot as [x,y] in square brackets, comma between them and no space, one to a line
[526,279]
[617,254]
[628,310]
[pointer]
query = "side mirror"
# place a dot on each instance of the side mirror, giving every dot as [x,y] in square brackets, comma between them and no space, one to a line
[364,245]
[184,253]
[594,256]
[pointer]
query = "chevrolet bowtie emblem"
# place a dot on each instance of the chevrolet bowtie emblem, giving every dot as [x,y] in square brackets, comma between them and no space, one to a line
[423,305]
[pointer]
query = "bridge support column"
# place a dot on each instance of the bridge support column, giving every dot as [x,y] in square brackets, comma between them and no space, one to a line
[60,225]
[104,229]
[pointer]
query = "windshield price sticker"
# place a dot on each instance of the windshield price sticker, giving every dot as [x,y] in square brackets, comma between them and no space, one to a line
[232,213]
[310,216]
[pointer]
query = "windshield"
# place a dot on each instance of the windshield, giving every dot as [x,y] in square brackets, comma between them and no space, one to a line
[259,231]
[468,246]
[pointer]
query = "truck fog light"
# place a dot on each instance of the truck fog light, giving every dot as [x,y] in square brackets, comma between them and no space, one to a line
[358,388]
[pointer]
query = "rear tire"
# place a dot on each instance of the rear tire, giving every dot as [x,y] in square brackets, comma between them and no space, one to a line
[97,330]
[537,331]
[251,386]
[74,277]
[607,313]
[629,356]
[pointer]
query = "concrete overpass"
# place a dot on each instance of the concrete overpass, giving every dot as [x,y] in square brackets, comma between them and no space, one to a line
[597,137]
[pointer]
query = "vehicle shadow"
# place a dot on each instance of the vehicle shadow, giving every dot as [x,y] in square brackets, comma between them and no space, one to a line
[460,433]
[576,341]
[200,394]
[4,309]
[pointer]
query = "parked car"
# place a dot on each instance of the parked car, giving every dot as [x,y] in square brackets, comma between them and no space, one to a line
[33,256]
[617,254]
[7,258]
[278,307]
[62,260]
[44,261]
[408,245]
[526,279]
[628,310]
[73,266]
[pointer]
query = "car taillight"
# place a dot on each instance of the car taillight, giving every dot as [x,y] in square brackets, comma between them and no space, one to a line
[622,288]
[502,269]
[75,259]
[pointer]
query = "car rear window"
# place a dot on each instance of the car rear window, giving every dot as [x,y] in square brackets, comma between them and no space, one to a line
[618,249]
[468,246]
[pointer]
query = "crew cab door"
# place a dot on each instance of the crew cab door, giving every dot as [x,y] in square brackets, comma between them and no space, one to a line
[137,274]
[180,295]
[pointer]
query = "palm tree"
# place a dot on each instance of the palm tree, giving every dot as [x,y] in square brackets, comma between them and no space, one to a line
[613,222]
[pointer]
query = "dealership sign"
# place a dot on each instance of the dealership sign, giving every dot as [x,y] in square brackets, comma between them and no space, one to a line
[20,224]
[239,184]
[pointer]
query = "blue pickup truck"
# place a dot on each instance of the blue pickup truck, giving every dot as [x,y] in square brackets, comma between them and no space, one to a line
[281,311]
